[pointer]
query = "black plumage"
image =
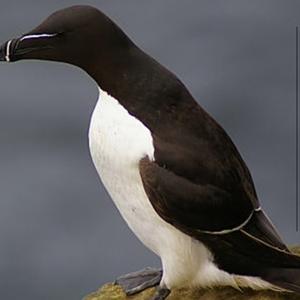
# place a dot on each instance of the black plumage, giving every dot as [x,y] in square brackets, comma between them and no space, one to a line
[198,181]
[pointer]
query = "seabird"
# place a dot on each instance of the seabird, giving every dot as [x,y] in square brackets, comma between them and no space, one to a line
[172,171]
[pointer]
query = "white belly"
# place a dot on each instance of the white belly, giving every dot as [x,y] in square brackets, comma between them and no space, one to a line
[117,143]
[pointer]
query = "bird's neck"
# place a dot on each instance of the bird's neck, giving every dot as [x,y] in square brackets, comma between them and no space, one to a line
[141,85]
[111,71]
[125,75]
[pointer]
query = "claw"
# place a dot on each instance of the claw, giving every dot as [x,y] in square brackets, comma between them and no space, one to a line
[161,293]
[136,282]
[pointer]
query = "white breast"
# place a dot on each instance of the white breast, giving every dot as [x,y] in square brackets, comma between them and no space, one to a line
[117,143]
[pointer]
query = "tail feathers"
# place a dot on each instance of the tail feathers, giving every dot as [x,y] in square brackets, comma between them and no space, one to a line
[287,278]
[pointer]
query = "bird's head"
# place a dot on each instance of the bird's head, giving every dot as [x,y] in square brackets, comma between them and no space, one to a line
[78,35]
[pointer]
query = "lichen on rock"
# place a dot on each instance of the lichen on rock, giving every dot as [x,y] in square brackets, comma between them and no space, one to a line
[114,292]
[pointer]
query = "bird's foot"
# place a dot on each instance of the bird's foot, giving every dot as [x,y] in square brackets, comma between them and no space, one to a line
[136,282]
[161,293]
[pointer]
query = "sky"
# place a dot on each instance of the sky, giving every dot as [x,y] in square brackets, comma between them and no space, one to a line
[60,235]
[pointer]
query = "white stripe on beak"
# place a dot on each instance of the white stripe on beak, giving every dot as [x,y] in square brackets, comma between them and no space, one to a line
[36,36]
[7,51]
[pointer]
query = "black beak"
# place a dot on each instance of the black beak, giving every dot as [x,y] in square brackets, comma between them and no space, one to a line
[20,48]
[8,50]
[3,52]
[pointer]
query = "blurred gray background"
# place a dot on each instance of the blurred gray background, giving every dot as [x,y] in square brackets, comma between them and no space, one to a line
[60,234]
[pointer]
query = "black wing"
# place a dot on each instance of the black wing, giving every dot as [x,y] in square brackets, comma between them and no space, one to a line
[184,203]
[203,208]
[242,239]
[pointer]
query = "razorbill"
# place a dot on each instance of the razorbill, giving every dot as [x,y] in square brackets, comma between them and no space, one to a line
[172,171]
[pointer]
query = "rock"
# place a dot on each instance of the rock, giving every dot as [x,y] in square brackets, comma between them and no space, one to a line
[295,249]
[115,292]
